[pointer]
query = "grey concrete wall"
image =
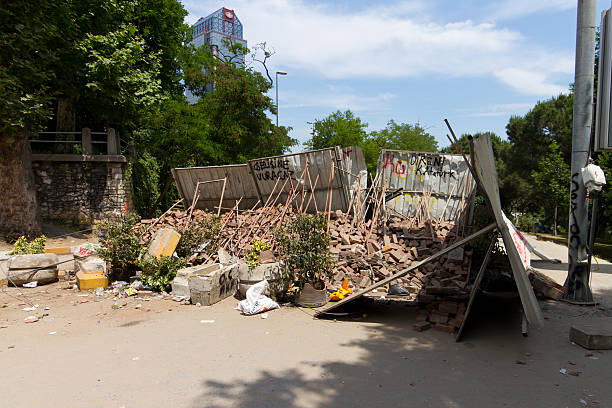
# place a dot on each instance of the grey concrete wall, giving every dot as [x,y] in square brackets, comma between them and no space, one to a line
[80,190]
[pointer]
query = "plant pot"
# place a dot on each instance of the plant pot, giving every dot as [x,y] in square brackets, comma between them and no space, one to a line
[311,297]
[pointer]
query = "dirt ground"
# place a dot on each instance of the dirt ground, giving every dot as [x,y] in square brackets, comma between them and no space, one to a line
[154,352]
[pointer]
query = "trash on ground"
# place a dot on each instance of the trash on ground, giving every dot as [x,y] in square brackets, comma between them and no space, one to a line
[30,309]
[30,319]
[130,291]
[256,302]
[264,315]
[341,293]
[52,333]
[207,321]
[32,284]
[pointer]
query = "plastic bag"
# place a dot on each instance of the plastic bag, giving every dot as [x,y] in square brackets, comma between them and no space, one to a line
[256,301]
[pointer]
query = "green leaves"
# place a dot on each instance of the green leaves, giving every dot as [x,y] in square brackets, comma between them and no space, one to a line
[304,245]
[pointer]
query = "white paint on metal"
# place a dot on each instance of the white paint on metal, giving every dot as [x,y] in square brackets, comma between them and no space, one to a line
[444,180]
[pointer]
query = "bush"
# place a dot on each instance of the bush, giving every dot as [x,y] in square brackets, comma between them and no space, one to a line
[158,273]
[526,222]
[304,244]
[22,246]
[197,233]
[252,255]
[121,246]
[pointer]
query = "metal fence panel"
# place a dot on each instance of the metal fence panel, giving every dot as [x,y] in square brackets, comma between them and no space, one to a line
[441,183]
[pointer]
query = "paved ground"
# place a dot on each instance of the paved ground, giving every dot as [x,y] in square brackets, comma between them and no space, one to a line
[601,272]
[158,353]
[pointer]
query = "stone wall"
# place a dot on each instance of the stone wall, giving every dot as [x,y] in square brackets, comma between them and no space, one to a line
[80,190]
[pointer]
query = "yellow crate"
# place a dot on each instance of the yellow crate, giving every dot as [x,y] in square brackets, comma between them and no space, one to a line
[94,280]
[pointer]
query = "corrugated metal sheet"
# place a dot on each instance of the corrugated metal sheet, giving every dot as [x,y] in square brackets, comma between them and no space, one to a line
[443,180]
[239,184]
[265,178]
[326,171]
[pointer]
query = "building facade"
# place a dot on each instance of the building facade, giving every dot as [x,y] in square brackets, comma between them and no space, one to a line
[215,31]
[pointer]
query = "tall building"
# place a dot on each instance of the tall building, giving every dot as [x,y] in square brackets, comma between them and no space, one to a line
[214,31]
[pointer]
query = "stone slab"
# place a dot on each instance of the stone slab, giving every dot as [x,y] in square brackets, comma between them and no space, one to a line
[31,261]
[592,336]
[164,242]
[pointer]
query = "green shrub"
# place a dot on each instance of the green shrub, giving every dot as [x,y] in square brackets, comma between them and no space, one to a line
[121,246]
[158,273]
[304,245]
[198,232]
[526,222]
[252,255]
[22,246]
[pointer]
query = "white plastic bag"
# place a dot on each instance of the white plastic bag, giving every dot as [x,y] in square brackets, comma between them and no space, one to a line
[256,301]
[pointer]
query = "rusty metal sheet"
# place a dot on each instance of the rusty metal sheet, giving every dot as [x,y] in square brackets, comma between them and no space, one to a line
[334,172]
[239,185]
[442,180]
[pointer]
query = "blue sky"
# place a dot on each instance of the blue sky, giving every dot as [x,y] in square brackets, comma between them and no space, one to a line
[474,62]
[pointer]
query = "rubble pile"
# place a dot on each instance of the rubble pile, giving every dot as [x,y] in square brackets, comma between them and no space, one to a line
[367,254]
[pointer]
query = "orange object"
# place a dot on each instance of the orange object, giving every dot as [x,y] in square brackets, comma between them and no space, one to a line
[341,293]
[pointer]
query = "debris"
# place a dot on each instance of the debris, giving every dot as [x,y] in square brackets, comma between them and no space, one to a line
[30,309]
[421,326]
[256,301]
[583,402]
[264,315]
[341,293]
[207,321]
[32,284]
[52,333]
[130,291]
[30,319]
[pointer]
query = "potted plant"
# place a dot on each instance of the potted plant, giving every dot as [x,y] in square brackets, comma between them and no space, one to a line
[304,245]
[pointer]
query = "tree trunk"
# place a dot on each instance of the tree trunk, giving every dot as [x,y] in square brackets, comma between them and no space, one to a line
[555,230]
[66,121]
[18,207]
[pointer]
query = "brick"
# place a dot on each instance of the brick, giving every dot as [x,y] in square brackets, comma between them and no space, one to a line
[448,307]
[421,326]
[444,328]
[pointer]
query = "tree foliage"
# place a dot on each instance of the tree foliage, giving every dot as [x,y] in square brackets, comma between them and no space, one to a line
[338,129]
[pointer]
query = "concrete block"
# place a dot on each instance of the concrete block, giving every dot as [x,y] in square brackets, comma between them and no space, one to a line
[271,272]
[215,286]
[164,242]
[592,336]
[180,284]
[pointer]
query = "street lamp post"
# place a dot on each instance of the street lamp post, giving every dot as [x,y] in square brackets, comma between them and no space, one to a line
[277,74]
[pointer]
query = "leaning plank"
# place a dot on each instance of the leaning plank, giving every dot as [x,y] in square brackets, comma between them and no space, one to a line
[406,271]
[479,276]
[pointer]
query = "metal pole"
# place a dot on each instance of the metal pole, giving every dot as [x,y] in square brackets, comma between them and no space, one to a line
[277,74]
[577,283]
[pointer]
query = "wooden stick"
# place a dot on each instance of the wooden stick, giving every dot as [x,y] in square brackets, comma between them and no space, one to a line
[222,194]
[161,216]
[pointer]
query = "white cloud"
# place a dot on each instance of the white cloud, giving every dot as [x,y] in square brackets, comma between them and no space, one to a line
[506,109]
[382,42]
[508,9]
[341,98]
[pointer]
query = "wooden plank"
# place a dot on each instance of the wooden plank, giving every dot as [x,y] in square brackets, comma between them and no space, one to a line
[406,271]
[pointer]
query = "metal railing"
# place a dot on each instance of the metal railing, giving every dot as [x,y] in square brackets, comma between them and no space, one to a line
[85,142]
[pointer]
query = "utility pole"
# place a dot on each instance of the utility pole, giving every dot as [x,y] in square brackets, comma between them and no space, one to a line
[577,283]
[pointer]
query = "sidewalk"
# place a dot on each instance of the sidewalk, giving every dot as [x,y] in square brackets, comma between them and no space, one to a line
[601,271]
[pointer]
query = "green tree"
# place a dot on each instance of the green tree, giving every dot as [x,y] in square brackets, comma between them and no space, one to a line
[338,129]
[402,136]
[551,183]
[27,58]
[532,134]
